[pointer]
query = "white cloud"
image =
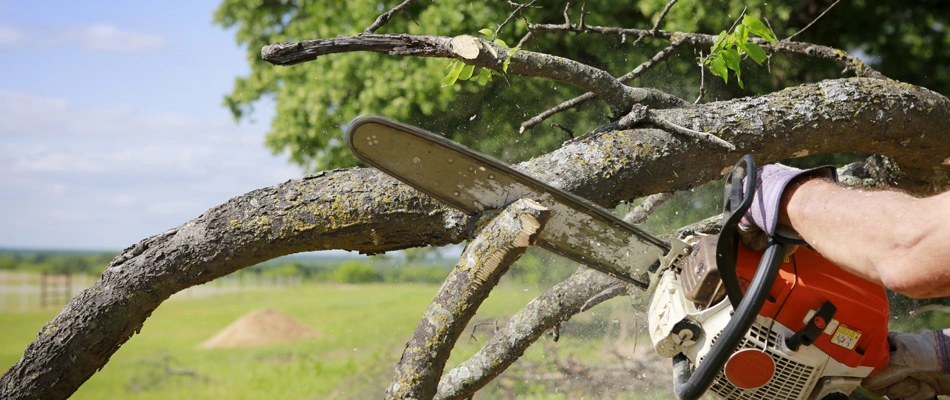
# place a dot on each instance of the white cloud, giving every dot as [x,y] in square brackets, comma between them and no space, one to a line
[10,36]
[102,37]
[109,176]
[96,37]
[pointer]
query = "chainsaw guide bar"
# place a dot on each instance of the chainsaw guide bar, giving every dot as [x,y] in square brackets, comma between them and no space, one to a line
[474,183]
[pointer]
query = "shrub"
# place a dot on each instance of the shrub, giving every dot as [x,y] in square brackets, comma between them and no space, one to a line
[355,272]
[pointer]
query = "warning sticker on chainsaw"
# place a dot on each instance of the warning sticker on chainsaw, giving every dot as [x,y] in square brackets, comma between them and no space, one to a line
[846,337]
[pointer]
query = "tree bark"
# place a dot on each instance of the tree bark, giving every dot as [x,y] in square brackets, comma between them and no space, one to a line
[364,210]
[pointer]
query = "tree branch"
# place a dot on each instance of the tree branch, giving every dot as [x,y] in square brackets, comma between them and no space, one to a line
[577,101]
[656,25]
[486,258]
[704,41]
[480,53]
[646,208]
[384,18]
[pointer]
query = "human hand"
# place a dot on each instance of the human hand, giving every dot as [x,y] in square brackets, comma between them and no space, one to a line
[918,368]
[761,221]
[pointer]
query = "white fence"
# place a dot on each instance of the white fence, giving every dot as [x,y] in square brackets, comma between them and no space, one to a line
[27,291]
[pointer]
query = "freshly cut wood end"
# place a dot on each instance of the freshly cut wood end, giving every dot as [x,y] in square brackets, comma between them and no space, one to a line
[465,46]
[529,226]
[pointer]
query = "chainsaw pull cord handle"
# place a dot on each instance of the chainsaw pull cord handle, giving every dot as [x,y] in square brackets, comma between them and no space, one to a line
[690,385]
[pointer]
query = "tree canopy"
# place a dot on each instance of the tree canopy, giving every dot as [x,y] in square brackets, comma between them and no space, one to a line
[902,39]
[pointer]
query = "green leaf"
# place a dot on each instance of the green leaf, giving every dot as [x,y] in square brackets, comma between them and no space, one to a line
[466,72]
[500,43]
[486,31]
[732,59]
[718,67]
[452,76]
[504,65]
[742,34]
[758,28]
[720,42]
[484,76]
[755,52]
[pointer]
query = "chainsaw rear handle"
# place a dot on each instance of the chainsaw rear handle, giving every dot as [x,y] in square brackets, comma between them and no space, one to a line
[739,192]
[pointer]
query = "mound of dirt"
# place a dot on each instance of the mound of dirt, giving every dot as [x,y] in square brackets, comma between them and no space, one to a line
[260,328]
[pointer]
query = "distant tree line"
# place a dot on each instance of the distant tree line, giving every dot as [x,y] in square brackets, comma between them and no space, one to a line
[56,262]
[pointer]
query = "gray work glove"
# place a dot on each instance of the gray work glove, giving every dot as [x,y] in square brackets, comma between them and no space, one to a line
[919,368]
[761,221]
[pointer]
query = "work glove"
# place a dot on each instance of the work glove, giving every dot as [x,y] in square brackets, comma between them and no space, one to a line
[919,368]
[761,221]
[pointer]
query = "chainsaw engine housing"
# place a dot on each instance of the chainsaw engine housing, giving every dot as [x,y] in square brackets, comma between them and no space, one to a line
[821,328]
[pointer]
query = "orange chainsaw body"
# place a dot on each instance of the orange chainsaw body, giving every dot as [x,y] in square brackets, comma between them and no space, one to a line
[857,334]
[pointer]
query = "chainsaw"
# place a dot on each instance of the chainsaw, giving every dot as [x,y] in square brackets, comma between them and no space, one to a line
[737,323]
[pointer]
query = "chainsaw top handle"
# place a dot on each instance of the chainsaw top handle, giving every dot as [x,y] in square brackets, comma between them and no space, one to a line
[688,384]
[737,196]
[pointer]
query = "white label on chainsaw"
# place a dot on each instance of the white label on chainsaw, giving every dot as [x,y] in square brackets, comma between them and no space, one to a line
[846,337]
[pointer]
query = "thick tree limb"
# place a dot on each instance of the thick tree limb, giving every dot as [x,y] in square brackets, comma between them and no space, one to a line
[704,41]
[357,209]
[362,209]
[486,258]
[854,115]
[480,53]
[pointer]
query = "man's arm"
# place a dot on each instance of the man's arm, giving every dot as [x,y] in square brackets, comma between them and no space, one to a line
[886,237]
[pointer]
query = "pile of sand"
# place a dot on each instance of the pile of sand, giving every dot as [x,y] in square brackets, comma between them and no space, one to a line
[260,328]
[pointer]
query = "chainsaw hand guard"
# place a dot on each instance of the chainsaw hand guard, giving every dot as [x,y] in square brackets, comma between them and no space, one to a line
[691,385]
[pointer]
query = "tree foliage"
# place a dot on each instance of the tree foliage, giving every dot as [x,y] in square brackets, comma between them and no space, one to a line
[316,100]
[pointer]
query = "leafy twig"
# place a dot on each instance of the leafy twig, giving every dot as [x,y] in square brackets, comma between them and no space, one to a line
[701,40]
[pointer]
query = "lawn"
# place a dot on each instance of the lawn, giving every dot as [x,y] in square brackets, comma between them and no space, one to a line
[362,330]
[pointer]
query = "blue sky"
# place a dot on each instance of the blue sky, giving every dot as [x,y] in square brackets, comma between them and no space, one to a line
[112,127]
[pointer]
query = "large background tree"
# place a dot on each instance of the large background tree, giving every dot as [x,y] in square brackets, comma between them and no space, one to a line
[641,150]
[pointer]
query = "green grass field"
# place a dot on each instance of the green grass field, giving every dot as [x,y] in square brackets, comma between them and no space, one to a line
[362,331]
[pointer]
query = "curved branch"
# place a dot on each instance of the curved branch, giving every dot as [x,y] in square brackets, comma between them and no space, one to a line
[480,53]
[704,41]
[486,258]
[357,209]
[362,209]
